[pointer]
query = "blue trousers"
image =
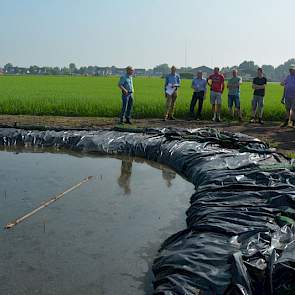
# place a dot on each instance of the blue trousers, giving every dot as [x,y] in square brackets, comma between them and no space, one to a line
[127,103]
[197,96]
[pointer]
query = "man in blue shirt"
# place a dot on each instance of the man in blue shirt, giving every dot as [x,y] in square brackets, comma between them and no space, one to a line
[199,85]
[289,98]
[126,86]
[172,82]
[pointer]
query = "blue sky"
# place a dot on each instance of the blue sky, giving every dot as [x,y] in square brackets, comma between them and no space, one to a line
[145,33]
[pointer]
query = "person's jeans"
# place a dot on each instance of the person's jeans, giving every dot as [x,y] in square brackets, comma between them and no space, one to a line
[127,103]
[197,96]
[257,104]
[233,100]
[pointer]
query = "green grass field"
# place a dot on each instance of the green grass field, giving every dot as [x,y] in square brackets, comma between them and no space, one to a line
[100,97]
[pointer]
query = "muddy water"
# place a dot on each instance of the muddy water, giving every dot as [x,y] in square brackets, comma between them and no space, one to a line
[100,238]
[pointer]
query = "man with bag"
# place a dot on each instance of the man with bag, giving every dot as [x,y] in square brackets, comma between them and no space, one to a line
[172,82]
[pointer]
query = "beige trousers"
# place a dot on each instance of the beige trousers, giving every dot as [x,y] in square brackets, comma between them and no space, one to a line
[170,104]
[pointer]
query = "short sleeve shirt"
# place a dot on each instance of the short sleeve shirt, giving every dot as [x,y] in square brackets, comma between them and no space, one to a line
[236,90]
[172,79]
[217,82]
[290,86]
[127,82]
[259,81]
[199,84]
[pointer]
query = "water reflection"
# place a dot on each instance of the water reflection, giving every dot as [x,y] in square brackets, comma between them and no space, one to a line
[168,175]
[126,173]
[86,235]
[124,178]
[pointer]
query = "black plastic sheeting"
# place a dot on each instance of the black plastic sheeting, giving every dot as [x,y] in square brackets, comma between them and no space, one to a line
[240,236]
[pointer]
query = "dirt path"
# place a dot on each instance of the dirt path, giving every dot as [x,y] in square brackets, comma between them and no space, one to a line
[281,138]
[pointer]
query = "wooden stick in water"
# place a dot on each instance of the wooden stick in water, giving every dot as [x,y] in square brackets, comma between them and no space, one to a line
[46,204]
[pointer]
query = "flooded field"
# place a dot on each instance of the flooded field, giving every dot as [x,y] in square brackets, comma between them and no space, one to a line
[99,239]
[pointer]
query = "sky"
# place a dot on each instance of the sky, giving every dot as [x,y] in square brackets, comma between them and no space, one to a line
[145,33]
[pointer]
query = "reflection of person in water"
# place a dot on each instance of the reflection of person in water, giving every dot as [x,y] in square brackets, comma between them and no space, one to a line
[168,175]
[124,178]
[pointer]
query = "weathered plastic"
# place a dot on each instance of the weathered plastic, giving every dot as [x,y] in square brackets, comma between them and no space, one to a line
[240,235]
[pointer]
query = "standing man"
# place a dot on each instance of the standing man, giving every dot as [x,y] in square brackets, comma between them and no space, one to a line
[289,95]
[172,82]
[233,86]
[199,86]
[126,85]
[216,83]
[259,92]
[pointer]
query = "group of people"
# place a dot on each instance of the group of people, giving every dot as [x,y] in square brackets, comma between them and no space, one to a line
[216,83]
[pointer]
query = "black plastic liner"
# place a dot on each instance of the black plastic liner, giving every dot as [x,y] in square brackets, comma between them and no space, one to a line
[240,236]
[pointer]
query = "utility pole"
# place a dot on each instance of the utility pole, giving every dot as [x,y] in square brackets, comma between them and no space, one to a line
[185,55]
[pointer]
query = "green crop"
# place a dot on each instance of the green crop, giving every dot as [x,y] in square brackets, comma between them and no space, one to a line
[100,97]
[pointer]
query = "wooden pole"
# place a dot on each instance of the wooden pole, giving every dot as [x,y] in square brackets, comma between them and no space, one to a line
[46,204]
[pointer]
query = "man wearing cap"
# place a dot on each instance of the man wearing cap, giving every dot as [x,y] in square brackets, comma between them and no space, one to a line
[289,95]
[258,85]
[233,86]
[216,83]
[172,82]
[199,86]
[126,86]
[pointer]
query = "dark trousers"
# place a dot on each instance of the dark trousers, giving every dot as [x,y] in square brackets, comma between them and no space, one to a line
[197,96]
[127,103]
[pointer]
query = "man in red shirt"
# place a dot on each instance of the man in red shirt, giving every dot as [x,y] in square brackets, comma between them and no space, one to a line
[216,83]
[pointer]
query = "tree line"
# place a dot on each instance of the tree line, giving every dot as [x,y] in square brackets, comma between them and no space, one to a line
[247,69]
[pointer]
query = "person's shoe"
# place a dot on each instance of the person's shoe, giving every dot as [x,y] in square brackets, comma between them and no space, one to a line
[252,120]
[128,121]
[218,120]
[290,123]
[260,121]
[190,117]
[171,118]
[285,123]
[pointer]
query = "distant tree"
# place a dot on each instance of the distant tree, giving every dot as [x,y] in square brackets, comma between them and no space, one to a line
[82,70]
[8,67]
[269,71]
[91,70]
[186,75]
[72,68]
[185,69]
[55,71]
[34,70]
[283,70]
[164,69]
[248,66]
[225,69]
[228,69]
[65,71]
